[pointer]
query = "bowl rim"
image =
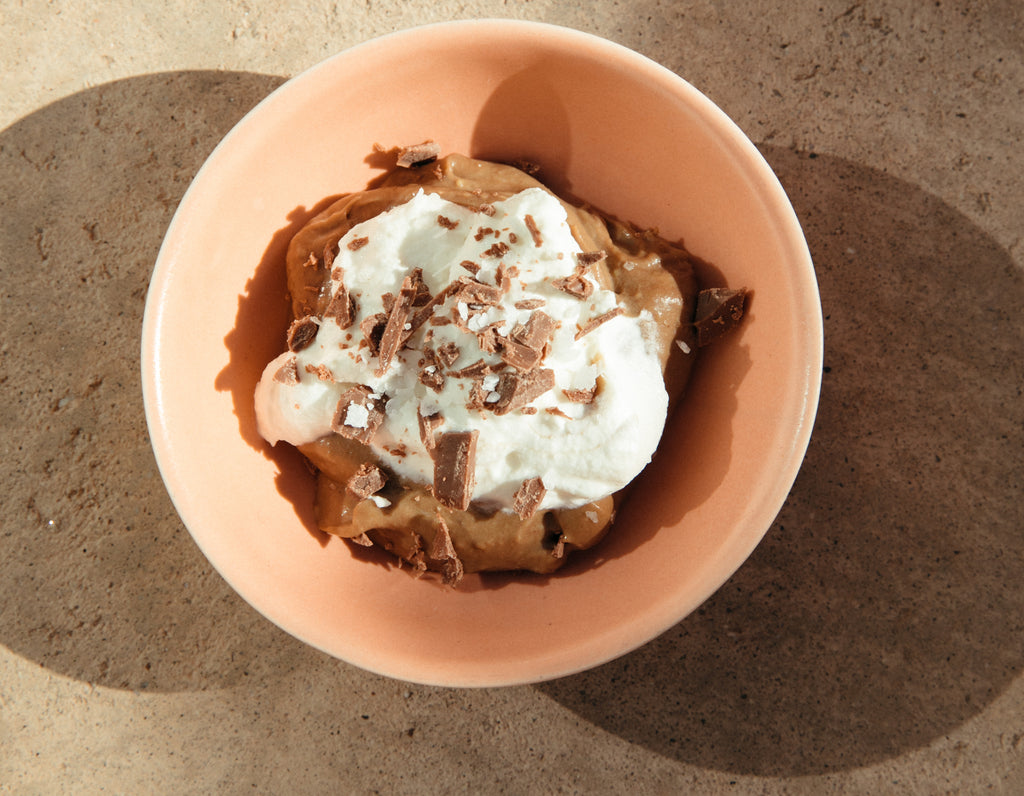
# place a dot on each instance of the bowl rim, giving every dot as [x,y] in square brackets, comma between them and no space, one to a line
[161,433]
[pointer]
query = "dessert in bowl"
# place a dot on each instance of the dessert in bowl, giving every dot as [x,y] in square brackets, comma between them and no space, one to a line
[602,124]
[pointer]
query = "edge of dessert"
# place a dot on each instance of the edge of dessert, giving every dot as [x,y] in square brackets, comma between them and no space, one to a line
[477,369]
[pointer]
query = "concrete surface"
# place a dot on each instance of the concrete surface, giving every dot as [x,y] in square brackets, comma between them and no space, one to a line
[872,644]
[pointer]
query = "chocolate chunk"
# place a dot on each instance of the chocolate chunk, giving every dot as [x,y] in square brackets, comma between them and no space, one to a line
[418,154]
[342,307]
[288,373]
[302,332]
[358,414]
[515,389]
[473,292]
[528,497]
[362,540]
[367,480]
[531,225]
[520,356]
[596,321]
[443,550]
[719,310]
[330,252]
[483,232]
[537,331]
[446,222]
[581,396]
[428,425]
[393,337]
[455,468]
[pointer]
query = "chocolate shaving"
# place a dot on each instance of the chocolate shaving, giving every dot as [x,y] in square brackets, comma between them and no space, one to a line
[393,337]
[421,296]
[499,249]
[576,284]
[446,222]
[474,292]
[430,373]
[311,261]
[719,310]
[302,332]
[516,389]
[330,254]
[558,551]
[596,321]
[537,331]
[428,425]
[442,549]
[520,356]
[478,369]
[372,327]
[470,266]
[288,373]
[426,312]
[418,154]
[580,396]
[367,480]
[528,497]
[486,209]
[358,415]
[357,243]
[342,307]
[531,225]
[483,232]
[587,259]
[489,340]
[529,304]
[477,400]
[321,371]
[448,353]
[455,468]
[362,540]
[503,277]
[554,410]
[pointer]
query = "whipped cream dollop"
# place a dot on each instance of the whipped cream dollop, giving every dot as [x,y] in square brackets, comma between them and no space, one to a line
[512,273]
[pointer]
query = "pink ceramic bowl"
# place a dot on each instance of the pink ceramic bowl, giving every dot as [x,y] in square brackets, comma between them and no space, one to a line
[607,125]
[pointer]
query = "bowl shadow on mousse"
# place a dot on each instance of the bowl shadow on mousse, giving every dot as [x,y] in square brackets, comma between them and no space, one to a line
[258,336]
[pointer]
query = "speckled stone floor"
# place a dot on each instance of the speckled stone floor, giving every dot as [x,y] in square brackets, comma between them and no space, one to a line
[872,644]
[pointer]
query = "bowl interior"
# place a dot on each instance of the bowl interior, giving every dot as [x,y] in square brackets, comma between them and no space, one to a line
[606,125]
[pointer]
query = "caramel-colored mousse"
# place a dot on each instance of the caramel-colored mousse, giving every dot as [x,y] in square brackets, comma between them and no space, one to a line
[644,270]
